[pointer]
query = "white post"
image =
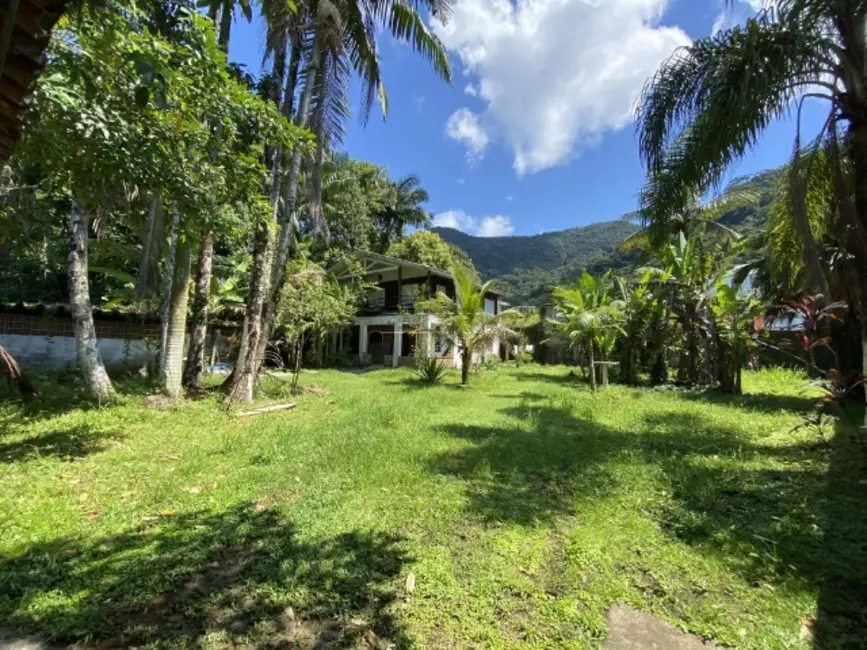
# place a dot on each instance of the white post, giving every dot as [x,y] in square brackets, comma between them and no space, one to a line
[362,342]
[398,344]
[429,337]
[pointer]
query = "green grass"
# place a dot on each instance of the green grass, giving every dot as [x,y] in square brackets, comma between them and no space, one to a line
[523,507]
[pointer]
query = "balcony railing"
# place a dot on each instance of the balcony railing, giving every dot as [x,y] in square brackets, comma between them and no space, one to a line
[377,306]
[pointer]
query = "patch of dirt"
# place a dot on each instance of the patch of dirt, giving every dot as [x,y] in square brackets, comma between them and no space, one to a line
[274,498]
[158,402]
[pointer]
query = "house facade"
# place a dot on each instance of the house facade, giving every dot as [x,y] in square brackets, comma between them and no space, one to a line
[388,329]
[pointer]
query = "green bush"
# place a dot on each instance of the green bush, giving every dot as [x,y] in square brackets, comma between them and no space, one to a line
[430,370]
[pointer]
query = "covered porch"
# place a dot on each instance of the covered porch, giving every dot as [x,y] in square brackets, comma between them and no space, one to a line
[393,340]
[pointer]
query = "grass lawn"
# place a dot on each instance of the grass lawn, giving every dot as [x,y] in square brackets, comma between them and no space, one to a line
[520,508]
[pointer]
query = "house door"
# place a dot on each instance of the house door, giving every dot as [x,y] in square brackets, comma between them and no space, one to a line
[378,346]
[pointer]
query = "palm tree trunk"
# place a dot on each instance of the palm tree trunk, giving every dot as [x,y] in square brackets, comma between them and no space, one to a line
[151,250]
[89,359]
[466,359]
[591,361]
[226,15]
[249,360]
[194,371]
[166,290]
[858,150]
[290,191]
[278,268]
[172,371]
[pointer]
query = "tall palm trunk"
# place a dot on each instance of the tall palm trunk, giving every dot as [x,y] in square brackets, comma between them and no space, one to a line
[194,371]
[89,359]
[151,251]
[166,290]
[277,264]
[858,148]
[592,363]
[172,370]
[254,343]
[247,366]
[290,192]
[466,360]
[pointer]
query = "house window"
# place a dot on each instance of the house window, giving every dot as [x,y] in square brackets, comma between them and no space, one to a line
[376,298]
[408,294]
[490,306]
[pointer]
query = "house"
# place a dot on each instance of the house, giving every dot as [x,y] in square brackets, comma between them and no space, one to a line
[387,330]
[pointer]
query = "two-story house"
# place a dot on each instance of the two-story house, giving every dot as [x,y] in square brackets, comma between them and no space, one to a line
[387,331]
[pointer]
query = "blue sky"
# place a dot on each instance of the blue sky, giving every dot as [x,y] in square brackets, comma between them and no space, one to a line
[534,134]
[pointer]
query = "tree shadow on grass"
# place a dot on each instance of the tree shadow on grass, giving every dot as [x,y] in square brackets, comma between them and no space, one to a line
[791,516]
[64,392]
[764,402]
[238,577]
[569,377]
[67,444]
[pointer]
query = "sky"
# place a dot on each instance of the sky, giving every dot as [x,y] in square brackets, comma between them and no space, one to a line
[535,133]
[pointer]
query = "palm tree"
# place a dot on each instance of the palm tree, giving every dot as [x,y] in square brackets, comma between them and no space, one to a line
[695,215]
[402,209]
[464,320]
[709,103]
[338,42]
[591,317]
[222,12]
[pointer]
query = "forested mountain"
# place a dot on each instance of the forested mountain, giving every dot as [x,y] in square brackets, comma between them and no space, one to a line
[526,268]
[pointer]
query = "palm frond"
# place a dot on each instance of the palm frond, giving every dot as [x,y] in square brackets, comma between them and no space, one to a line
[710,101]
[406,24]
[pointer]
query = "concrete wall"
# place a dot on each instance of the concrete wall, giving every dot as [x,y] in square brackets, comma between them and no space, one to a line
[57,351]
[47,340]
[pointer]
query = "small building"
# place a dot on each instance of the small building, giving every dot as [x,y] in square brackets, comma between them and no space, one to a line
[388,330]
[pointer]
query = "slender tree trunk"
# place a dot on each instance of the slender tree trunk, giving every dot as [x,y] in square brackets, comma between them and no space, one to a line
[166,291]
[858,150]
[591,359]
[194,371]
[466,360]
[278,268]
[172,372]
[226,15]
[290,191]
[151,251]
[215,337]
[248,364]
[89,359]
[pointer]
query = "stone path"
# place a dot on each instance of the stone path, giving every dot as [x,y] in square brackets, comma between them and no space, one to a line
[630,629]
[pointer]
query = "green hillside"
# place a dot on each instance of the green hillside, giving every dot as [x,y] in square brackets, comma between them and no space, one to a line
[526,268]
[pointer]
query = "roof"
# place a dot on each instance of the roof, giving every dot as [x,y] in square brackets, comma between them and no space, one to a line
[25,29]
[382,263]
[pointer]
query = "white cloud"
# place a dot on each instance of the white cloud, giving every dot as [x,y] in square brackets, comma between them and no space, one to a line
[491,226]
[495,226]
[554,74]
[457,219]
[737,13]
[470,90]
[509,197]
[463,125]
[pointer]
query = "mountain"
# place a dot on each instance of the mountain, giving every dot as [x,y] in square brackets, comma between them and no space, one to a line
[527,268]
